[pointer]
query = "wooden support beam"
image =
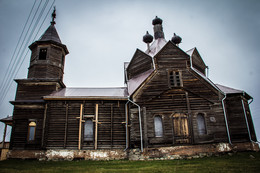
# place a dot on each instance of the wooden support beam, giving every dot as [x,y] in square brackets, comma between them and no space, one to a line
[66,126]
[80,125]
[96,127]
[145,128]
[44,124]
[190,116]
[111,126]
[3,143]
[127,127]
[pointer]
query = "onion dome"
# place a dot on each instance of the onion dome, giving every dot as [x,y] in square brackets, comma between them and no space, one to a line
[176,39]
[147,38]
[157,21]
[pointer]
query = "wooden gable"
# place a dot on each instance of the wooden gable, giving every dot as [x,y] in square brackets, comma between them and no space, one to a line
[157,85]
[197,61]
[141,62]
[171,56]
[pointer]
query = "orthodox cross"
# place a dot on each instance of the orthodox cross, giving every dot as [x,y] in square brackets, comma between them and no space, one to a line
[53,15]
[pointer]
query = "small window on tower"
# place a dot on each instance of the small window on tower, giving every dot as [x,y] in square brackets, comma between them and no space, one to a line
[175,79]
[43,54]
[62,60]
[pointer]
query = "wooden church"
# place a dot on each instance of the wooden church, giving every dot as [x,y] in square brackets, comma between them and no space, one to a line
[167,102]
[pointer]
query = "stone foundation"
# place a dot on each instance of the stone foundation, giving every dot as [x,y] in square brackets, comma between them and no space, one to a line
[163,153]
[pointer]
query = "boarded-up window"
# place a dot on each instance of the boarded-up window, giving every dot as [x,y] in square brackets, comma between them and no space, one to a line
[201,124]
[43,54]
[88,130]
[158,127]
[31,130]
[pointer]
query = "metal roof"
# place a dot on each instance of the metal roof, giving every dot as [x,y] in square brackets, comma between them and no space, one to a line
[228,90]
[8,120]
[135,82]
[89,93]
[156,46]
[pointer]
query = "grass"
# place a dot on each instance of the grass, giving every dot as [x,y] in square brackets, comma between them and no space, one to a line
[238,162]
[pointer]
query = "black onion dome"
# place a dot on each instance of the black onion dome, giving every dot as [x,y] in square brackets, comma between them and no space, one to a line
[147,38]
[176,39]
[157,20]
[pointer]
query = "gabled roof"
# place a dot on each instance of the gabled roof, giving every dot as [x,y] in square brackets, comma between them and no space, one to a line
[50,34]
[197,60]
[115,93]
[140,63]
[135,82]
[168,45]
[156,46]
[228,90]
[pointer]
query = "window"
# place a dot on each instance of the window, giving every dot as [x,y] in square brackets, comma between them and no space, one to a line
[31,130]
[158,127]
[175,79]
[62,60]
[43,54]
[201,124]
[88,130]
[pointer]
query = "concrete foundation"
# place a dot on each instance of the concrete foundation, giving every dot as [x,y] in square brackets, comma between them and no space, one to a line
[163,153]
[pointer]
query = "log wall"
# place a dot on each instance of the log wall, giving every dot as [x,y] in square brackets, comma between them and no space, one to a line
[62,130]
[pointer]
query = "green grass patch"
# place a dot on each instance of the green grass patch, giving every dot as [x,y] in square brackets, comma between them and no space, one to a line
[238,162]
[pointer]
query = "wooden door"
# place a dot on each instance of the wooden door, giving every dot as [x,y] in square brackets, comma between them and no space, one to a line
[181,128]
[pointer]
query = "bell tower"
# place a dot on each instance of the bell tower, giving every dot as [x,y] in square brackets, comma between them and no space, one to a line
[45,75]
[46,69]
[48,55]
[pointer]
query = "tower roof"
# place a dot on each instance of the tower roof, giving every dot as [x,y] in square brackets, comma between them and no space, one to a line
[51,34]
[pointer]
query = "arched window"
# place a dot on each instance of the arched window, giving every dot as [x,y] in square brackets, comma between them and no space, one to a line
[158,127]
[201,124]
[88,130]
[31,130]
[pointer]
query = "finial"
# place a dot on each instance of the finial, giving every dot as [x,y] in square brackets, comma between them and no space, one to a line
[147,38]
[176,39]
[53,16]
[157,21]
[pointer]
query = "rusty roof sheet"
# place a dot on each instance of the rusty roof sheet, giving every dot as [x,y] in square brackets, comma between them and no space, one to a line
[113,92]
[135,82]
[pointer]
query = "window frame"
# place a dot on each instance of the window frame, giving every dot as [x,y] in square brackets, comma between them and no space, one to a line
[85,139]
[29,130]
[203,115]
[162,127]
[46,53]
[175,78]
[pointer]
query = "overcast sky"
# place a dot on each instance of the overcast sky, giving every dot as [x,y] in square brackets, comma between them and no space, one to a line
[101,35]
